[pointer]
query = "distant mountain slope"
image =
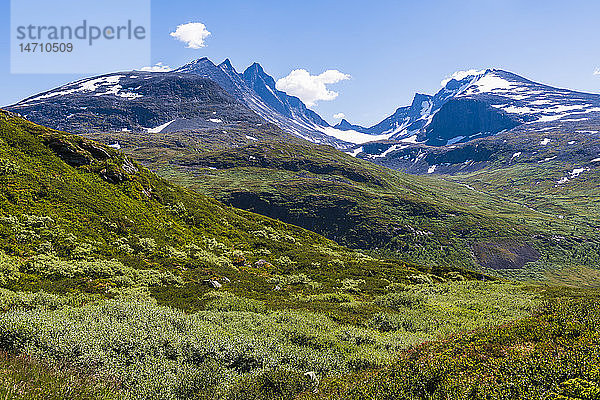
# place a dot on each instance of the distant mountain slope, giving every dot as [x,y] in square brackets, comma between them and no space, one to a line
[571,143]
[476,104]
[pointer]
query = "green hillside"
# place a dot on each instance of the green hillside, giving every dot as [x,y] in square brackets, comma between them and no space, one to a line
[117,284]
[66,202]
[423,219]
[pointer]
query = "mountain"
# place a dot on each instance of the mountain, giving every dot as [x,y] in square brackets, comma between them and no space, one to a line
[344,125]
[289,106]
[198,96]
[257,90]
[144,102]
[475,104]
[571,143]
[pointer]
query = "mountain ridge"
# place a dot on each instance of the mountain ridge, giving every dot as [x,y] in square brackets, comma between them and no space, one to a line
[471,104]
[489,95]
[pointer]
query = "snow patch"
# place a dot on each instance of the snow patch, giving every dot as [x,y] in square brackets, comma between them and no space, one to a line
[573,174]
[356,152]
[549,118]
[159,128]
[454,140]
[352,136]
[412,139]
[578,171]
[460,75]
[431,169]
[109,85]
[390,149]
[490,83]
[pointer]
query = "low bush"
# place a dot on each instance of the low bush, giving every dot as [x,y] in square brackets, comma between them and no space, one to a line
[553,355]
[272,385]
[400,300]
[224,301]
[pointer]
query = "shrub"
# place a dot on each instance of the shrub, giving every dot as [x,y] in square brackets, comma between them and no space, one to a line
[210,260]
[224,301]
[330,297]
[214,245]
[147,245]
[238,257]
[285,263]
[172,252]
[406,321]
[52,267]
[8,167]
[290,280]
[9,269]
[352,285]
[271,385]
[82,251]
[400,300]
[578,388]
[420,279]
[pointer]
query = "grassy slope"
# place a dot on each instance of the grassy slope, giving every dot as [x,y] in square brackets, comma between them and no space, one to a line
[532,179]
[151,351]
[552,355]
[146,224]
[68,230]
[155,352]
[421,219]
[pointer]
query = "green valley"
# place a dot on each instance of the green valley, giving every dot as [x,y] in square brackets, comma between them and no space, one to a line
[423,219]
[169,294]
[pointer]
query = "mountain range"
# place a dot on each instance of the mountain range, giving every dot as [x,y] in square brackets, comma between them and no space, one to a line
[475,104]
[471,104]
[127,101]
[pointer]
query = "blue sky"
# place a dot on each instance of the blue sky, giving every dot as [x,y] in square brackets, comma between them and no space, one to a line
[391,49]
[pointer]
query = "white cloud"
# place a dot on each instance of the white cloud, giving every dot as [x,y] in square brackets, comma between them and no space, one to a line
[339,116]
[597,71]
[158,67]
[193,34]
[311,88]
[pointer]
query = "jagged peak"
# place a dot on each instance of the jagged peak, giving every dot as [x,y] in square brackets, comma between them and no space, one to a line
[195,63]
[345,125]
[200,61]
[255,68]
[255,73]
[226,64]
[420,98]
